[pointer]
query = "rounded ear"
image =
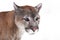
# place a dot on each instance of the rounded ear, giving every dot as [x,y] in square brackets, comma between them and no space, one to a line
[38,7]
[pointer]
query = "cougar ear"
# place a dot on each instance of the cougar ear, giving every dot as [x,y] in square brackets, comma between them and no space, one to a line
[38,7]
[16,6]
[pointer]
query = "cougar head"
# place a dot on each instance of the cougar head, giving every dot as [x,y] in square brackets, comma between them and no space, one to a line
[27,17]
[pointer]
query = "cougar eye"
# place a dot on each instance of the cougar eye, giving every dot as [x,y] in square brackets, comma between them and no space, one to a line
[26,19]
[37,18]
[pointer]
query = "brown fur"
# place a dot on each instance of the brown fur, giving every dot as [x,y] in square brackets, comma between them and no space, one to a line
[7,25]
[29,7]
[9,19]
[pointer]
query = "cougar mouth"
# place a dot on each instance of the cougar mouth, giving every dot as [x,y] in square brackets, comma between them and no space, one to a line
[31,30]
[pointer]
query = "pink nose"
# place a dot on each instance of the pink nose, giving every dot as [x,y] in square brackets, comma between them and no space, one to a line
[34,28]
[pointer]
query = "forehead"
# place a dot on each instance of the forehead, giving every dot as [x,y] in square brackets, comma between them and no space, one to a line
[29,10]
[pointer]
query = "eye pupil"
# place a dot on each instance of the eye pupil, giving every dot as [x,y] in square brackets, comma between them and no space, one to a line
[37,19]
[26,19]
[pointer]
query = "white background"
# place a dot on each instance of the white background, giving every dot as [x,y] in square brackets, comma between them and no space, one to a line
[50,18]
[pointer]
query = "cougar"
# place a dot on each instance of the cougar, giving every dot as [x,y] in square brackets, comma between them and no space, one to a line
[22,18]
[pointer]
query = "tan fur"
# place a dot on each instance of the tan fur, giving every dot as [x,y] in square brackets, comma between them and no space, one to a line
[29,7]
[7,27]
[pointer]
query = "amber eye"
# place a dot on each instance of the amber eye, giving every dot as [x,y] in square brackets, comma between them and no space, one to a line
[26,19]
[37,19]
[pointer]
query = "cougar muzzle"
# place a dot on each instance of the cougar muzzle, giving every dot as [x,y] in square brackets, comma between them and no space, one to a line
[32,29]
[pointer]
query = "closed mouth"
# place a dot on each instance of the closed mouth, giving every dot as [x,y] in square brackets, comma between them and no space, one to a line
[31,28]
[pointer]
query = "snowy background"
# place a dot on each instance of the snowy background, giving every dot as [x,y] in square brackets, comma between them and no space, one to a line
[50,18]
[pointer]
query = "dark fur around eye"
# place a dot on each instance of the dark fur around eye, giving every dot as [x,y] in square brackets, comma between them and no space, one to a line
[26,19]
[37,18]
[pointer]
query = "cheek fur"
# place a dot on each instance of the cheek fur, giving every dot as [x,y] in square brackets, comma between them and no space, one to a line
[38,21]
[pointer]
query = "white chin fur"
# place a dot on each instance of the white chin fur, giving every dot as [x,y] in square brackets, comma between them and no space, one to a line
[31,32]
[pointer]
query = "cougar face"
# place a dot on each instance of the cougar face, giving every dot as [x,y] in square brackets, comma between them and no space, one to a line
[27,18]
